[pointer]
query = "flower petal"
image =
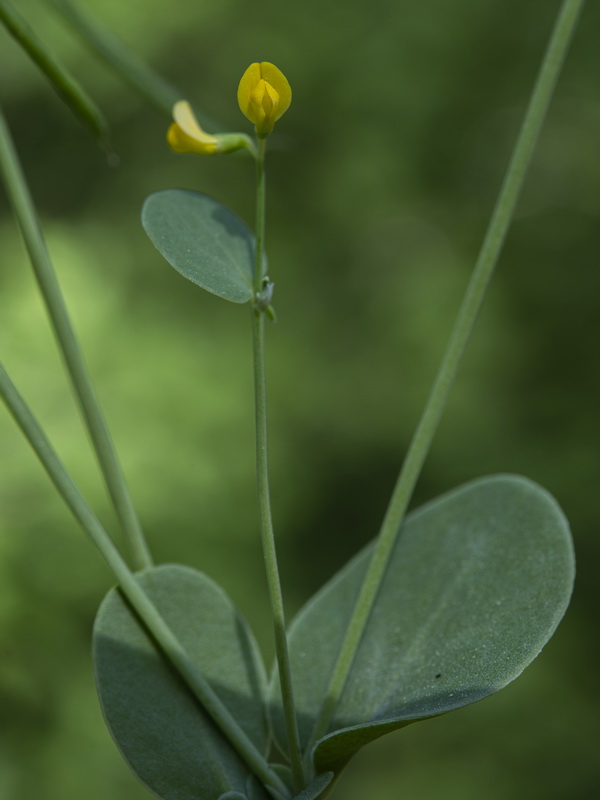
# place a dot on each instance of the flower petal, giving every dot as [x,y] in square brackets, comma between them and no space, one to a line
[248,83]
[181,142]
[186,119]
[275,77]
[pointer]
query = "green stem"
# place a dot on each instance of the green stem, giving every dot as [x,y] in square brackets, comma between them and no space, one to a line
[261,193]
[25,213]
[62,80]
[264,503]
[423,436]
[132,590]
[118,57]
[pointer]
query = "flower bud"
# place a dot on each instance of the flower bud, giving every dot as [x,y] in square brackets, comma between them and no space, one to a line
[264,94]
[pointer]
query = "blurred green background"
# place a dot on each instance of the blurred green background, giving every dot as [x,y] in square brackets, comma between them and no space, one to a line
[381,181]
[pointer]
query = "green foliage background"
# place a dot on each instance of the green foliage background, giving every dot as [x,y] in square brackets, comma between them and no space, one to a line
[381,180]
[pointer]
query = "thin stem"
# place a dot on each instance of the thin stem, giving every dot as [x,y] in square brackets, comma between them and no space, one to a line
[132,590]
[33,236]
[61,79]
[260,214]
[131,69]
[423,436]
[264,503]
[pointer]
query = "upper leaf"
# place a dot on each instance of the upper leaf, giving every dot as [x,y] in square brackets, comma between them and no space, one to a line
[477,583]
[158,725]
[205,241]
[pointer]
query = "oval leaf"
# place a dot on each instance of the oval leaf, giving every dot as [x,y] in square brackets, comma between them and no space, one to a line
[205,242]
[477,583]
[156,722]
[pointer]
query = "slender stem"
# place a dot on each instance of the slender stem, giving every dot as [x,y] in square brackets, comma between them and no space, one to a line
[260,213]
[25,213]
[119,57]
[132,590]
[423,436]
[264,503]
[61,79]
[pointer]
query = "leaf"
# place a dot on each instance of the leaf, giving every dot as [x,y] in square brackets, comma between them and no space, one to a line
[205,242]
[158,725]
[477,583]
[316,787]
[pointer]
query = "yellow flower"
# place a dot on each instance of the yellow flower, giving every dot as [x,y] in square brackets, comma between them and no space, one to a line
[186,136]
[264,94]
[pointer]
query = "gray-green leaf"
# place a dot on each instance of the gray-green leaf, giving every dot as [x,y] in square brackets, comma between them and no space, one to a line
[205,242]
[316,787]
[157,724]
[477,583]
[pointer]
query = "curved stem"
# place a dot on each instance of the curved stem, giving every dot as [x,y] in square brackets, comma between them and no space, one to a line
[33,236]
[132,590]
[262,479]
[423,436]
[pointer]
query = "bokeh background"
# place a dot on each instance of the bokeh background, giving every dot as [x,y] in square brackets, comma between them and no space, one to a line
[381,181]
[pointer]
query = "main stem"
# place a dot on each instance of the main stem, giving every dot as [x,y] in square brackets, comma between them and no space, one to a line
[20,199]
[262,478]
[423,436]
[133,591]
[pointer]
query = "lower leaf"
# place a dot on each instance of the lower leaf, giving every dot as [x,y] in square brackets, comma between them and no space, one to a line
[158,725]
[476,585]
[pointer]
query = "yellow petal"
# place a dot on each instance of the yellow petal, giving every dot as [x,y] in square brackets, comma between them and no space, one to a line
[263,105]
[180,142]
[248,83]
[275,77]
[185,118]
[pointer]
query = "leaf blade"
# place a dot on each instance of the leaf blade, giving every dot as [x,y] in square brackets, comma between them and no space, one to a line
[477,583]
[159,727]
[203,240]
